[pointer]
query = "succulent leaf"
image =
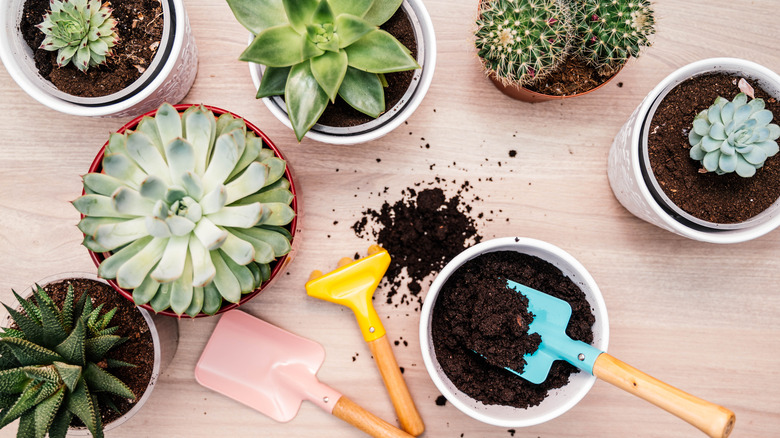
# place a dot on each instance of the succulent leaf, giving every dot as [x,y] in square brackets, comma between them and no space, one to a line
[381,11]
[735,136]
[82,32]
[180,190]
[363,91]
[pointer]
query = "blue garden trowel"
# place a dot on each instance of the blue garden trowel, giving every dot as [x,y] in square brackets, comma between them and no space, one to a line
[550,322]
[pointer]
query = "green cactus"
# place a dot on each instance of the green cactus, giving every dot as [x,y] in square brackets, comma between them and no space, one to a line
[735,136]
[314,50]
[83,31]
[53,365]
[523,40]
[192,207]
[610,31]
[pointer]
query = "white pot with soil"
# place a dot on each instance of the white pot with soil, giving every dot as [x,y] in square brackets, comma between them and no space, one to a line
[150,354]
[395,113]
[166,78]
[642,188]
[455,368]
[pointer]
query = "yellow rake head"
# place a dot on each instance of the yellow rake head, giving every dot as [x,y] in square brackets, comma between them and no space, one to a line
[352,284]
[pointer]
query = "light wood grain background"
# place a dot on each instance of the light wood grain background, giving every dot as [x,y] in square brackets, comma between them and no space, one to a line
[699,316]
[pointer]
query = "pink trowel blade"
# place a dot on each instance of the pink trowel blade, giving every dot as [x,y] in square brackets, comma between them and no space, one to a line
[273,371]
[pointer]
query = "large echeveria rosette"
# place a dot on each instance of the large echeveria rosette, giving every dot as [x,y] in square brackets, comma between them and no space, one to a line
[192,209]
[734,136]
[315,50]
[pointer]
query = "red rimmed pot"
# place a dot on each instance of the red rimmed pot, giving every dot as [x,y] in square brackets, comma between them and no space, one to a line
[525,95]
[278,267]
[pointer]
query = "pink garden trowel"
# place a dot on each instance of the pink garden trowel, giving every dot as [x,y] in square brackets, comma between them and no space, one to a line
[273,371]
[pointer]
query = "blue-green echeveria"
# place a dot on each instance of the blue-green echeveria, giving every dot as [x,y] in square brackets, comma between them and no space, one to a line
[735,136]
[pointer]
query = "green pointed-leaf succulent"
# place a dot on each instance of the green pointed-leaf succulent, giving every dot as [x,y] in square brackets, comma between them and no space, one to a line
[184,207]
[82,31]
[734,136]
[46,372]
[309,48]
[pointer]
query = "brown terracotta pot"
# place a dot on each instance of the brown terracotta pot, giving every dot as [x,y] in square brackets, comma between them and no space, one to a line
[526,95]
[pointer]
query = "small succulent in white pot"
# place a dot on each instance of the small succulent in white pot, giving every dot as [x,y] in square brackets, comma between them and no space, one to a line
[192,208]
[168,77]
[721,140]
[315,50]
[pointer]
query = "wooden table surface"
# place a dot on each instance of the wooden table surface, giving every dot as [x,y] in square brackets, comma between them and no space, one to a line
[699,316]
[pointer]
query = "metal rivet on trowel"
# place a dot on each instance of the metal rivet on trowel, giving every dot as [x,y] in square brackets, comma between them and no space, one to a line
[371,329]
[581,356]
[325,399]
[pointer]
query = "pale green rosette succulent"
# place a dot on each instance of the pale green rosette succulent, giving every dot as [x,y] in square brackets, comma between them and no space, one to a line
[735,136]
[315,50]
[83,31]
[192,208]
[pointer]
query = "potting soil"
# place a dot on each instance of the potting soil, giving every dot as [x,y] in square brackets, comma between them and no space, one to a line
[476,312]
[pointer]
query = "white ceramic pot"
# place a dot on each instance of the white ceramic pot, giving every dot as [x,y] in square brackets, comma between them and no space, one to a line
[165,336]
[558,401]
[634,185]
[167,79]
[393,117]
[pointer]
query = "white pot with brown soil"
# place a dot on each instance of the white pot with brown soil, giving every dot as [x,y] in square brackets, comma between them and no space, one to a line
[654,174]
[153,58]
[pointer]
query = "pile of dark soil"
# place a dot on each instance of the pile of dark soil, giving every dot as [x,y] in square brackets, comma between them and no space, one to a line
[476,312]
[715,198]
[422,232]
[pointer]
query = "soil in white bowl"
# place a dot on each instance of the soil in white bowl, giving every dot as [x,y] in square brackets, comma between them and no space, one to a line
[473,310]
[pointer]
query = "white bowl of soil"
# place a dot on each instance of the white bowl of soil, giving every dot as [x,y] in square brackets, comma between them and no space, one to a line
[341,124]
[167,67]
[488,393]
[643,154]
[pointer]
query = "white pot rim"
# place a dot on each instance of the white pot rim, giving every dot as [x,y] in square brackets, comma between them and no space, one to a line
[15,70]
[736,65]
[396,115]
[522,245]
[152,330]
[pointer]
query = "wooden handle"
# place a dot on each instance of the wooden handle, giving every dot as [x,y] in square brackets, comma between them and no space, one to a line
[369,423]
[396,386]
[716,421]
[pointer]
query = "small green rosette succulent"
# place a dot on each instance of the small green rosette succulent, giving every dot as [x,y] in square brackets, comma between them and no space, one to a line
[82,31]
[53,365]
[192,209]
[315,50]
[734,136]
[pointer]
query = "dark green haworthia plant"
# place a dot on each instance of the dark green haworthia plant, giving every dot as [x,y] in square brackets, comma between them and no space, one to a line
[315,50]
[53,365]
